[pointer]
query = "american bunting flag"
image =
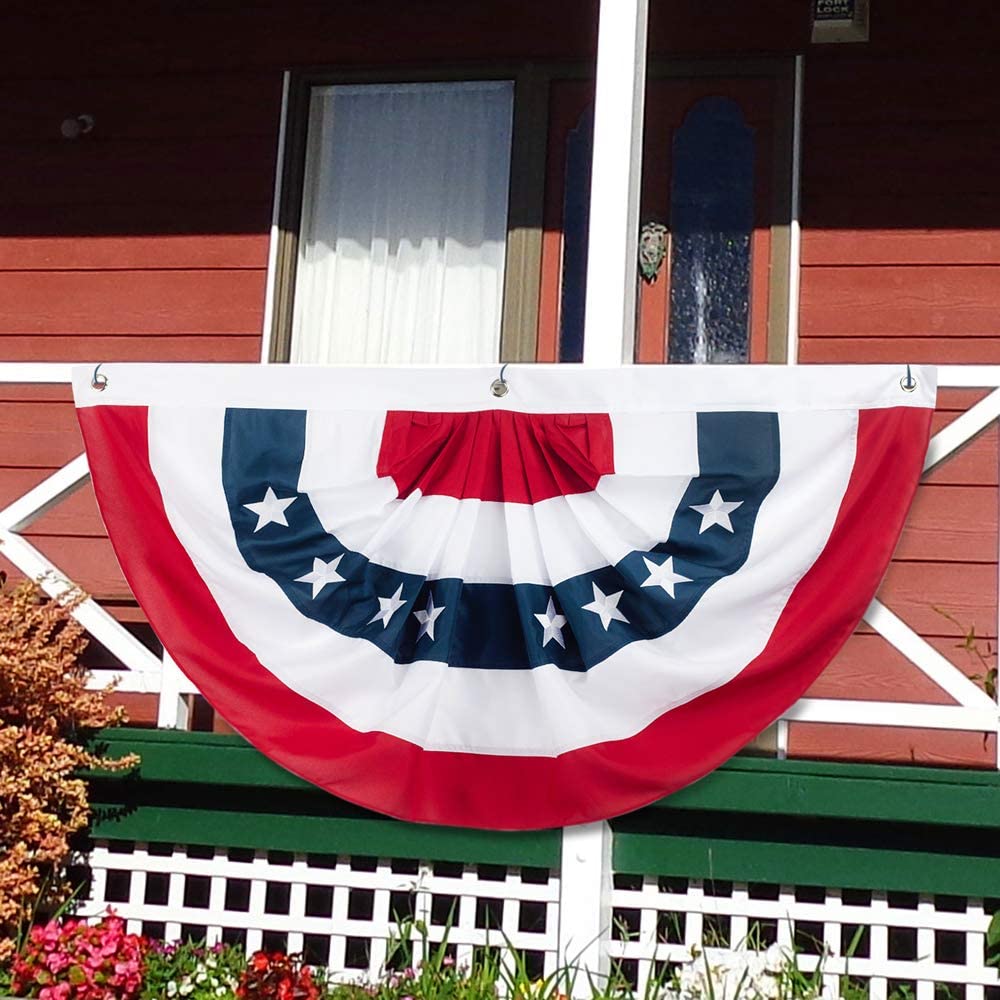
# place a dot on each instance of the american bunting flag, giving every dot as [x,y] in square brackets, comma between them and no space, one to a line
[509,612]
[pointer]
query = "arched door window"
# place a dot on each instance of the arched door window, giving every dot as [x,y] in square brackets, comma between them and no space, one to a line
[711,227]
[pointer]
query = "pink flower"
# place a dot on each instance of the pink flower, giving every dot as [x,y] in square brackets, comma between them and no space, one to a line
[58,992]
[47,935]
[56,961]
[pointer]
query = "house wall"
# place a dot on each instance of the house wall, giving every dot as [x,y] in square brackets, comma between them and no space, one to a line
[148,239]
[900,255]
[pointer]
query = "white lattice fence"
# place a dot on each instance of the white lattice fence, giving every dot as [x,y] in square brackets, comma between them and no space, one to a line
[343,911]
[921,945]
[339,911]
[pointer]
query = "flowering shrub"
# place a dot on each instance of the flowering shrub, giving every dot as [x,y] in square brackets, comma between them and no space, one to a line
[193,971]
[78,961]
[45,711]
[276,976]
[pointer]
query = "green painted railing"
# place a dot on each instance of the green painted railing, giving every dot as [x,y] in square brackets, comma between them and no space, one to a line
[217,790]
[754,819]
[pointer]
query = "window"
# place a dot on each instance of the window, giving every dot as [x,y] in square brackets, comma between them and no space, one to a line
[410,218]
[402,234]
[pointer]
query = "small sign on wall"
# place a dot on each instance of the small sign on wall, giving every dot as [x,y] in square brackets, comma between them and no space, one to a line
[840,21]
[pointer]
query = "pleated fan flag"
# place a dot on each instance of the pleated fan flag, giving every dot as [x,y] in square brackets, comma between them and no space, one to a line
[509,612]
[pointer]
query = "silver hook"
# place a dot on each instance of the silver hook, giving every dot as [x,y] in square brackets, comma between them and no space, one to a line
[908,383]
[98,380]
[499,386]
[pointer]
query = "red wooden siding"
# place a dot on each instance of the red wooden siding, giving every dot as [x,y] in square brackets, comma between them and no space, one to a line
[897,744]
[901,262]
[40,434]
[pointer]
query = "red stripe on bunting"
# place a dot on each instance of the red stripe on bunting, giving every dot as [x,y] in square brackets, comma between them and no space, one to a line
[496,455]
[393,776]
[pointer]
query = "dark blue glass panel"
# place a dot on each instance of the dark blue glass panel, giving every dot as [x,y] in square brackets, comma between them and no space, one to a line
[576,227]
[711,222]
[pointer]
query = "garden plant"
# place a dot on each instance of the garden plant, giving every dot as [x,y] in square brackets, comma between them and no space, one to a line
[68,959]
[47,716]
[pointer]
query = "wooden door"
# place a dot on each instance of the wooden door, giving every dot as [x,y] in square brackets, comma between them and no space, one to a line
[708,166]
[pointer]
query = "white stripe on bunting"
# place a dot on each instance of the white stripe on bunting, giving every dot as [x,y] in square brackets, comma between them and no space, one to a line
[533,388]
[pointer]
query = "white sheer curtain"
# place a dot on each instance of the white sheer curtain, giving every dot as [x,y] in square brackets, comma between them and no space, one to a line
[404,224]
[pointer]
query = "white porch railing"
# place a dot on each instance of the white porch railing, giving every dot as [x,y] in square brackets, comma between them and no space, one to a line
[143,671]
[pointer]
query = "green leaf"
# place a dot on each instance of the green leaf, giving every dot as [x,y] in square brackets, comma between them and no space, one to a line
[855,941]
[76,975]
[993,932]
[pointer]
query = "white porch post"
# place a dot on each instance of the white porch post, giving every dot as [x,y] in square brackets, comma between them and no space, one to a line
[585,882]
[172,712]
[609,328]
[609,334]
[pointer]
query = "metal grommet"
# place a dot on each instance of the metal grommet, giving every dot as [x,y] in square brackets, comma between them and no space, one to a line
[98,380]
[908,383]
[499,386]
